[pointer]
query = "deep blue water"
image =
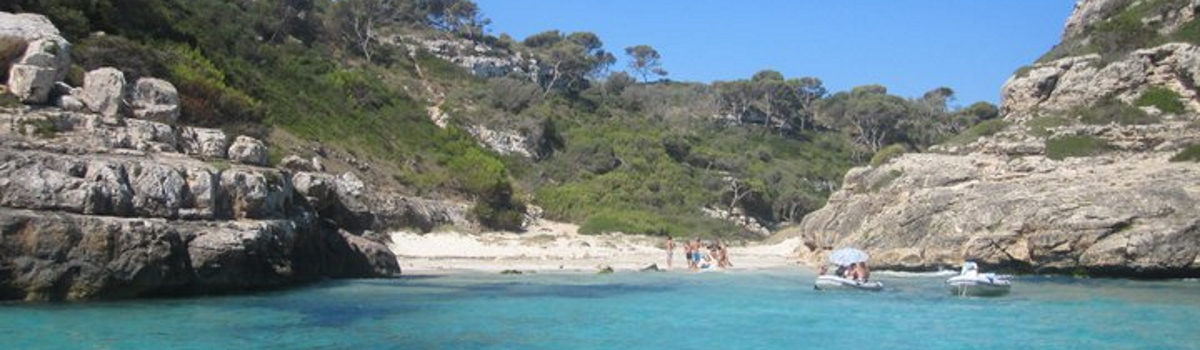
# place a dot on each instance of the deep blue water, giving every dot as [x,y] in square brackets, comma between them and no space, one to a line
[739,310]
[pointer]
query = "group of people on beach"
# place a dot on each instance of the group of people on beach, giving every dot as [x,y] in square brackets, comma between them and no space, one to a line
[700,255]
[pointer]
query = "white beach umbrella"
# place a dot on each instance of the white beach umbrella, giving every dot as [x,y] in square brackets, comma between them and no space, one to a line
[847,256]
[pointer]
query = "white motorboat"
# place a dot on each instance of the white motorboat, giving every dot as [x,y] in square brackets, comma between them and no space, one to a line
[846,258]
[827,282]
[970,282]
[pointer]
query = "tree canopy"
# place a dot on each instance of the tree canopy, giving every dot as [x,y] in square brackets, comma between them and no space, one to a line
[645,62]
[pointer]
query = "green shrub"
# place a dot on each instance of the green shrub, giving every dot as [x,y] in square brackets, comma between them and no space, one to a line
[1060,148]
[634,222]
[1188,33]
[1189,154]
[986,128]
[134,59]
[1041,126]
[1022,71]
[888,153]
[8,100]
[1164,99]
[220,165]
[1121,34]
[205,97]
[1110,111]
[41,127]
[513,95]
[274,155]
[886,179]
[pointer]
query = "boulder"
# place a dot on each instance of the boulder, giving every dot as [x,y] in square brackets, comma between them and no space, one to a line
[155,99]
[248,150]
[203,142]
[349,185]
[70,103]
[34,54]
[104,91]
[31,84]
[317,188]
[368,258]
[256,194]
[295,163]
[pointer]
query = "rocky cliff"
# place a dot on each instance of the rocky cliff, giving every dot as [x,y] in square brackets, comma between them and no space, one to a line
[1026,199]
[103,196]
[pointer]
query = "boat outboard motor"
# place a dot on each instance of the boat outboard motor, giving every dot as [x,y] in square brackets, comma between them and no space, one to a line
[969,267]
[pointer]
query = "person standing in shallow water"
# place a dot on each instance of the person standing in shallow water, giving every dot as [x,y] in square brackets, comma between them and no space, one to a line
[670,251]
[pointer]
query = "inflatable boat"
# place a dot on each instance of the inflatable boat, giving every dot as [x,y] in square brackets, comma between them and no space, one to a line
[972,283]
[827,282]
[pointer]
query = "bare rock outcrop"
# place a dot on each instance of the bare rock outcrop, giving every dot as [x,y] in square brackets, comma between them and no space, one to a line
[485,61]
[1101,215]
[34,55]
[1072,82]
[96,207]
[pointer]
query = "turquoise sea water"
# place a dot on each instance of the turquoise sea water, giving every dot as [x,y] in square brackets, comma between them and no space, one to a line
[737,310]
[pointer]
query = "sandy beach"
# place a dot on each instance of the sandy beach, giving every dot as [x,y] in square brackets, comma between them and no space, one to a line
[552,246]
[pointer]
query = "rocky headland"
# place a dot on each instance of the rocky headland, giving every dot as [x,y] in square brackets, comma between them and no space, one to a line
[1008,202]
[103,195]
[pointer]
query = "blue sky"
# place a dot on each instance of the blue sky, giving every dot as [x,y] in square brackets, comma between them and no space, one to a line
[910,46]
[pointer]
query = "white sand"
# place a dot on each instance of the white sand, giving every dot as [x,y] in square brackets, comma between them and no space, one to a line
[551,246]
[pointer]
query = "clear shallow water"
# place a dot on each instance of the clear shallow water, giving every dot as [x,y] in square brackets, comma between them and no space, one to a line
[742,310]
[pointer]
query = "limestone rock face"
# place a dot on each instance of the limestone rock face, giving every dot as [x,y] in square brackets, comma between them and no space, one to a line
[1078,81]
[104,91]
[155,99]
[242,255]
[1086,13]
[42,55]
[56,256]
[482,60]
[97,207]
[43,182]
[59,256]
[1104,216]
[248,150]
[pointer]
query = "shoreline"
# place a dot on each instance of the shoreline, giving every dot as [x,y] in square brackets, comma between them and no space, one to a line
[558,247]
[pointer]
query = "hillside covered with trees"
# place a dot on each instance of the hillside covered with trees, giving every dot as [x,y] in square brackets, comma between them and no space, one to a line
[614,148]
